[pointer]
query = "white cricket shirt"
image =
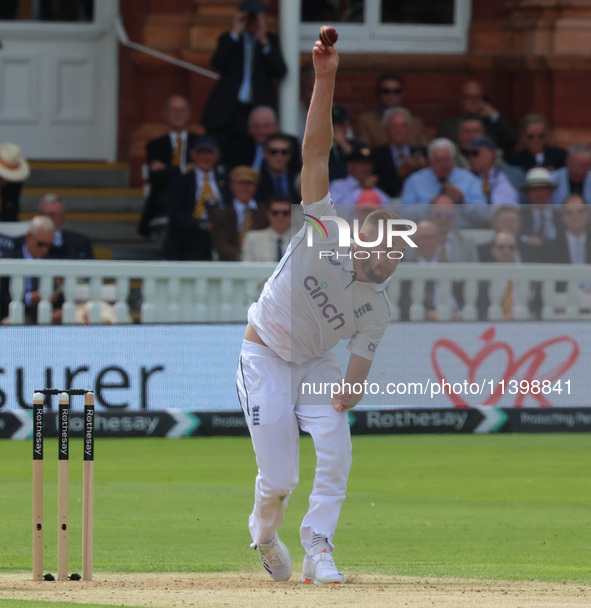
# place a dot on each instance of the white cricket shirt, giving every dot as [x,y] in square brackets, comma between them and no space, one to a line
[311,302]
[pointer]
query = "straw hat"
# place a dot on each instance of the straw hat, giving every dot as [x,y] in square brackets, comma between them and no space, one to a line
[13,167]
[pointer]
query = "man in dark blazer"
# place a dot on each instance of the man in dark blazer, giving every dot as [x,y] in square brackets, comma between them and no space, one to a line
[396,160]
[14,170]
[242,214]
[249,149]
[573,244]
[536,152]
[507,218]
[167,157]
[35,245]
[250,62]
[276,178]
[192,198]
[67,244]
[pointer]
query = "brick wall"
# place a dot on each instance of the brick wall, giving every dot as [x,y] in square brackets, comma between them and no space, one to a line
[516,79]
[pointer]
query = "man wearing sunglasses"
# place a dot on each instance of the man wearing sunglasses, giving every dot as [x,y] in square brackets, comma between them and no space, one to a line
[277,177]
[35,245]
[269,244]
[370,126]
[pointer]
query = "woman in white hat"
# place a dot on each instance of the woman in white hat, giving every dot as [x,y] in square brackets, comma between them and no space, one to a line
[14,170]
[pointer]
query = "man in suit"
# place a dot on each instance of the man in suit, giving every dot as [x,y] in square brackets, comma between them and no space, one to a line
[539,220]
[397,159]
[231,223]
[192,198]
[167,157]
[269,244]
[250,61]
[14,170]
[249,149]
[35,245]
[507,218]
[504,250]
[535,151]
[575,178]
[370,125]
[472,101]
[67,244]
[573,245]
[276,178]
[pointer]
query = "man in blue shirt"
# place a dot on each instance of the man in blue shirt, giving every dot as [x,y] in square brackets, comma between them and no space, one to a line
[442,177]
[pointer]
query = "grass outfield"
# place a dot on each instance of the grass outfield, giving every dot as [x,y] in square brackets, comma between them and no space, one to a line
[488,507]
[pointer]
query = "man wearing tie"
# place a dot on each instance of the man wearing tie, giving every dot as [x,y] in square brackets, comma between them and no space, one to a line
[231,223]
[538,218]
[269,245]
[442,177]
[167,157]
[573,245]
[277,179]
[192,198]
[249,61]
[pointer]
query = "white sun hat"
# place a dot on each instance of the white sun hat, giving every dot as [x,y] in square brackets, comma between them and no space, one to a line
[13,166]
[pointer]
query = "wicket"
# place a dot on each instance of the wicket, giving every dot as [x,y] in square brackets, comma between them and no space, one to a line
[63,482]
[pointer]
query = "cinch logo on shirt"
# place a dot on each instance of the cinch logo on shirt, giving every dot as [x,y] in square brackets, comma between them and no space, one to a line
[317,292]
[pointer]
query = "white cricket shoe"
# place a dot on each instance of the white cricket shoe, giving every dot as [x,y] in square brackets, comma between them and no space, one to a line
[320,569]
[276,559]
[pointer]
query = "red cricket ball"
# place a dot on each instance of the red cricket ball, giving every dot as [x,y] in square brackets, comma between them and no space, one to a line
[328,35]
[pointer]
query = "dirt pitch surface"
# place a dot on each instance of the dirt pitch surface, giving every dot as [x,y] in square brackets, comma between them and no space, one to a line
[254,591]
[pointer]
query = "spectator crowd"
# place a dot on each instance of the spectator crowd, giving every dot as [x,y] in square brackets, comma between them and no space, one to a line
[228,195]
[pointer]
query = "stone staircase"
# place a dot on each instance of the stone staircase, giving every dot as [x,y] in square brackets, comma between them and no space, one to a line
[98,203]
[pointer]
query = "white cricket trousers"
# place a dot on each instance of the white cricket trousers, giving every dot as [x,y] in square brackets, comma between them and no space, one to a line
[270,394]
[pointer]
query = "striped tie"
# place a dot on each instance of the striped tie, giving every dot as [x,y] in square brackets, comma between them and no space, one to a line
[178,151]
[205,196]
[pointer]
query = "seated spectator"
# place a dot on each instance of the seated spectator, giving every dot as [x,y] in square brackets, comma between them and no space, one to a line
[504,250]
[575,178]
[360,177]
[167,157]
[67,244]
[14,170]
[370,126]
[442,178]
[454,246]
[507,218]
[276,177]
[250,149]
[539,222]
[231,223]
[573,245]
[192,198]
[269,244]
[499,181]
[397,159]
[35,245]
[428,251]
[342,144]
[470,127]
[534,151]
[472,101]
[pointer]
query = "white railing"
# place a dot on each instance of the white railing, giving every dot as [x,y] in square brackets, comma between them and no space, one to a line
[179,292]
